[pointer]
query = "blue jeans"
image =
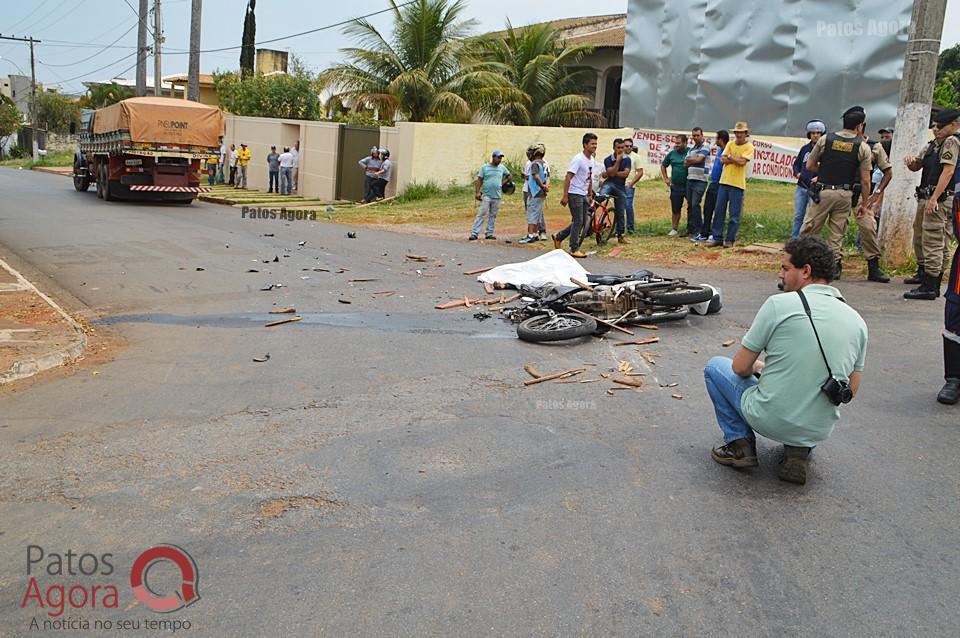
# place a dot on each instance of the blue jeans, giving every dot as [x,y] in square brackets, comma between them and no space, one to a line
[630,193]
[725,388]
[274,182]
[619,204]
[489,207]
[734,197]
[695,190]
[709,204]
[800,200]
[286,180]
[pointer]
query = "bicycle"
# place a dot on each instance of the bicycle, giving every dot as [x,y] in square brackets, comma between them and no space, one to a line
[600,221]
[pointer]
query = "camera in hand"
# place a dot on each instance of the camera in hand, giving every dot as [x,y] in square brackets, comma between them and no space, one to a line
[837,391]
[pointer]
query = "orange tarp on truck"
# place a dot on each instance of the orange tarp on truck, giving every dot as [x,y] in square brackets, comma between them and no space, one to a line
[162,120]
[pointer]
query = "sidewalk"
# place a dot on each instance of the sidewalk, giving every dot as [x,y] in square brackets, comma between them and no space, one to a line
[35,333]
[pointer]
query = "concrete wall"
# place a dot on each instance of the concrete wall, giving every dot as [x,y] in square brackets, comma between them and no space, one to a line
[319,143]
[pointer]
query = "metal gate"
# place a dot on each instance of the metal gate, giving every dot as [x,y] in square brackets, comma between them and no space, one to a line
[355,143]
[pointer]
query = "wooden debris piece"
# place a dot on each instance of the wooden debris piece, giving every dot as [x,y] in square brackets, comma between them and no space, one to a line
[629,382]
[284,311]
[533,373]
[590,381]
[606,323]
[488,288]
[577,282]
[552,377]
[624,366]
[679,397]
[385,293]
[649,357]
[357,281]
[418,258]
[647,326]
[638,342]
[282,321]
[616,251]
[456,303]
[477,271]
[728,342]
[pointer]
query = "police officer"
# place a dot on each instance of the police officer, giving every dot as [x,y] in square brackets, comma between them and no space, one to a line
[931,226]
[950,393]
[842,163]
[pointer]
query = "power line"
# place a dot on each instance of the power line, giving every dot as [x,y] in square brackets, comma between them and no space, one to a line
[27,17]
[105,66]
[139,17]
[61,18]
[97,53]
[45,16]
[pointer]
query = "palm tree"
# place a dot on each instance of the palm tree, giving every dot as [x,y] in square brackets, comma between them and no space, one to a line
[101,95]
[417,73]
[550,90]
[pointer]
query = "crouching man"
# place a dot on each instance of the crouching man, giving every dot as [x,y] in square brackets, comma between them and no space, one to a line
[815,345]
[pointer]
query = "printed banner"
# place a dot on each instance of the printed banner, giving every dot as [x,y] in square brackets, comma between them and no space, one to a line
[771,161]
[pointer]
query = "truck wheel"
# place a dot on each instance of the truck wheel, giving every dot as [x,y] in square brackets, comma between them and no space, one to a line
[80,184]
[107,194]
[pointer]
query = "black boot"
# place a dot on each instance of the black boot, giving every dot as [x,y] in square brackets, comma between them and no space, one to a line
[917,278]
[950,393]
[927,290]
[838,270]
[874,273]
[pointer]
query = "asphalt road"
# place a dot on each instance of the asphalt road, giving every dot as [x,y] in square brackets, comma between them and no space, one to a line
[386,473]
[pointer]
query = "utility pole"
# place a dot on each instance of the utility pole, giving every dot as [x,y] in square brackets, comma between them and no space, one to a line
[157,42]
[193,72]
[33,90]
[142,50]
[911,130]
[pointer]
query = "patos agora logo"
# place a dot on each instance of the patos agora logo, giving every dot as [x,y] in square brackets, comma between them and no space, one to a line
[55,598]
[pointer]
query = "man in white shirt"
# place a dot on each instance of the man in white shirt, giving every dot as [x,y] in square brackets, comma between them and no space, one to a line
[233,164]
[286,164]
[295,169]
[578,192]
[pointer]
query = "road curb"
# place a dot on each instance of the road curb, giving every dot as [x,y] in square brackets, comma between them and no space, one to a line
[25,368]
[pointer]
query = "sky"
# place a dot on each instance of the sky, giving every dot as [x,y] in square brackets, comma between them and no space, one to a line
[74,33]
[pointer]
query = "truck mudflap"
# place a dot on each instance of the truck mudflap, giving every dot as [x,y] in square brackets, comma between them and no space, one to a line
[170,189]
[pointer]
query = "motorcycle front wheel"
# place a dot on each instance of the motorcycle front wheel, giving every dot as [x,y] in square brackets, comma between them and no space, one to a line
[556,328]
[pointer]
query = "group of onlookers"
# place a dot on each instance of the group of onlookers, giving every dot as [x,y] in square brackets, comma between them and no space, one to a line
[377,173]
[229,166]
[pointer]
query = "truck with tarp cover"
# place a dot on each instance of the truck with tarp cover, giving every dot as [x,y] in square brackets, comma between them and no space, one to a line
[147,148]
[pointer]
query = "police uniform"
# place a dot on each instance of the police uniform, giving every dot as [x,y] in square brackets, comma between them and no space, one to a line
[932,232]
[841,157]
[950,393]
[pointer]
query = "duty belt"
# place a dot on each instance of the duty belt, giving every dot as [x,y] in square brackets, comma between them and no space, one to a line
[926,192]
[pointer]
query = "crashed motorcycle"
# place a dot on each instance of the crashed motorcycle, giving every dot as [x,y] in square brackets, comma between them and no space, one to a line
[642,297]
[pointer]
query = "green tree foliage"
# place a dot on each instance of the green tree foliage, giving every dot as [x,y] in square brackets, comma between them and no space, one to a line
[547,87]
[101,95]
[10,120]
[279,95]
[248,53]
[417,73]
[55,112]
[949,61]
[946,92]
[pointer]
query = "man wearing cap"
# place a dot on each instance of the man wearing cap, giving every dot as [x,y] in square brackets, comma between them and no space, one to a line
[950,393]
[243,158]
[931,223]
[801,197]
[273,170]
[370,166]
[733,182]
[842,164]
[489,191]
[886,134]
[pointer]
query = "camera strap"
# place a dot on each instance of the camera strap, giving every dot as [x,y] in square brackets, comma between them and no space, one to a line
[806,309]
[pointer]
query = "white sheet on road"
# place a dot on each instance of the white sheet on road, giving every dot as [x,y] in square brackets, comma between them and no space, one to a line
[554,268]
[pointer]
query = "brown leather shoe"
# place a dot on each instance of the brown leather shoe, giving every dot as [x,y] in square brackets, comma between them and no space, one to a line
[622,240]
[794,466]
[579,254]
[739,453]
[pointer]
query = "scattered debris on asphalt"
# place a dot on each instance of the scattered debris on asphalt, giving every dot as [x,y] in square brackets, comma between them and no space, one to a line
[482,315]
[677,396]
[357,281]
[268,234]
[262,359]
[252,270]
[276,259]
[477,271]
[728,342]
[624,367]
[577,282]
[200,269]
[488,288]
[267,288]
[284,311]
[647,326]
[629,382]
[351,235]
[669,385]
[603,321]
[344,301]
[301,243]
[552,377]
[650,357]
[638,342]
[533,373]
[418,258]
[385,293]
[280,322]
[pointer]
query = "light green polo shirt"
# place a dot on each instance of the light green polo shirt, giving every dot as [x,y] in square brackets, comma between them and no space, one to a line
[787,404]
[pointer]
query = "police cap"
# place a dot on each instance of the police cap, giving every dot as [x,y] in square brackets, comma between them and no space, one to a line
[946,116]
[852,110]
